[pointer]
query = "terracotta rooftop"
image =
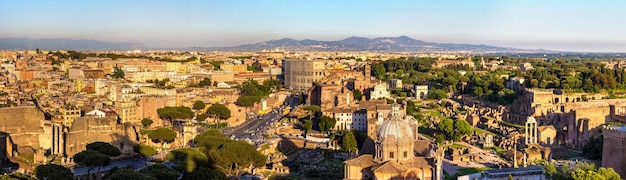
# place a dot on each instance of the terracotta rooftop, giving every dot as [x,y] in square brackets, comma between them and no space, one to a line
[363,161]
[389,167]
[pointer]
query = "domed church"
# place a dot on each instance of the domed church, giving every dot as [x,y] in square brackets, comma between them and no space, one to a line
[395,155]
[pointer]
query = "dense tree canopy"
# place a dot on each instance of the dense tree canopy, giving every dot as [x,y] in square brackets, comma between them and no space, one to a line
[187,159]
[357,94]
[104,148]
[160,172]
[348,143]
[118,73]
[91,159]
[175,113]
[326,123]
[146,122]
[593,148]
[201,117]
[198,105]
[247,101]
[129,174]
[253,88]
[53,172]
[226,154]
[162,135]
[237,155]
[455,129]
[145,150]
[219,110]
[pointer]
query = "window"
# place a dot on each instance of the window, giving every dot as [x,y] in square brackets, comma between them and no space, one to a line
[406,154]
[390,154]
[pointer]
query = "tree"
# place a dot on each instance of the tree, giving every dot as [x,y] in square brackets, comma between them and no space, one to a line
[146,122]
[211,140]
[580,174]
[201,117]
[118,73]
[145,151]
[608,173]
[357,94]
[312,109]
[198,105]
[91,159]
[205,82]
[410,107]
[379,71]
[274,84]
[129,174]
[187,159]
[461,128]
[438,94]
[53,172]
[550,170]
[534,83]
[440,138]
[175,113]
[593,148]
[236,155]
[247,101]
[447,126]
[308,124]
[253,88]
[16,176]
[348,143]
[160,171]
[219,111]
[162,135]
[326,123]
[104,148]
[206,173]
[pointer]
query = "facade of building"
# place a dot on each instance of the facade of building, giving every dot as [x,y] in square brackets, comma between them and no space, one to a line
[394,156]
[380,92]
[300,74]
[395,83]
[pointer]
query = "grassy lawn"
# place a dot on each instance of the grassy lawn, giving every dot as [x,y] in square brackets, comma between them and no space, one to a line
[513,125]
[482,131]
[457,146]
[435,113]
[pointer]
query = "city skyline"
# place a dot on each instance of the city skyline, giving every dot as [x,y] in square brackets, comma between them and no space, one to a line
[556,25]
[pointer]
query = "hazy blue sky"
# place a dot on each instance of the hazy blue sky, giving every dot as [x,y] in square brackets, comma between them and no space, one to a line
[559,25]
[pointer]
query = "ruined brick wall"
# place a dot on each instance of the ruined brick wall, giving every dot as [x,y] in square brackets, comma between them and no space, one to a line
[585,123]
[614,149]
[23,124]
[86,130]
[148,106]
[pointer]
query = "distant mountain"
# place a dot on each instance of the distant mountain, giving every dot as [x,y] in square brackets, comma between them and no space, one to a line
[67,44]
[385,44]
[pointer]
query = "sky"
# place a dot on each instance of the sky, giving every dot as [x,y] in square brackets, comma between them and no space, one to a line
[571,25]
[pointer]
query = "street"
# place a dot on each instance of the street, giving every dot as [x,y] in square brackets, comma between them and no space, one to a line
[136,164]
[253,130]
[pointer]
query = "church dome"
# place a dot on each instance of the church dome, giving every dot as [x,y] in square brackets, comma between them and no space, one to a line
[395,127]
